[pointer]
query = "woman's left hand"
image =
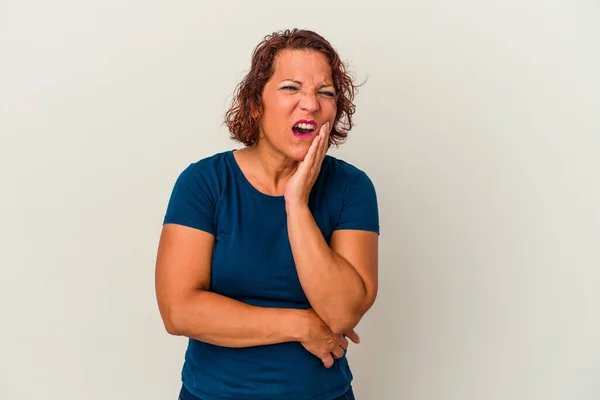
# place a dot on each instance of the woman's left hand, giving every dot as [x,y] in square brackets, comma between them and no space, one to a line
[300,184]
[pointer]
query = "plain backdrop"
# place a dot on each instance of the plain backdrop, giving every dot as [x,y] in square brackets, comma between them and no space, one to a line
[478,123]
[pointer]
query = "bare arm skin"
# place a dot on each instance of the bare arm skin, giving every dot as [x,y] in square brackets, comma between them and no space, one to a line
[340,281]
[189,309]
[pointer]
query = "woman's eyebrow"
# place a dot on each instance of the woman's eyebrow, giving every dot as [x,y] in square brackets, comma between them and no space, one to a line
[326,84]
[292,80]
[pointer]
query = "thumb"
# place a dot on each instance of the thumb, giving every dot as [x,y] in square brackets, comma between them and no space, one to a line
[352,335]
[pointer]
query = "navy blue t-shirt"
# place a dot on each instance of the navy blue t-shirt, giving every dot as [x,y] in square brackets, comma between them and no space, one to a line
[253,263]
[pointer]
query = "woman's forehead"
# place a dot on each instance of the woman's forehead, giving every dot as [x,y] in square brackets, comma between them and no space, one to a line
[302,65]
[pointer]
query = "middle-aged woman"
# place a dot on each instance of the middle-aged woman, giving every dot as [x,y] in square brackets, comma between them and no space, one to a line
[268,254]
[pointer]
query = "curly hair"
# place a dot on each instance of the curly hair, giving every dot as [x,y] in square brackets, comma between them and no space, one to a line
[243,117]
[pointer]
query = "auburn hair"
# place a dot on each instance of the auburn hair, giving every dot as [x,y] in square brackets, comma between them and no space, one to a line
[243,117]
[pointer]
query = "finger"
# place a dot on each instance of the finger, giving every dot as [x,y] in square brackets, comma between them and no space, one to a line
[310,155]
[327,360]
[322,147]
[325,139]
[343,342]
[338,352]
[352,335]
[313,150]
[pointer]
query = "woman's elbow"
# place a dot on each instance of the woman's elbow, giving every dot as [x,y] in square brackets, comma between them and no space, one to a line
[341,326]
[172,328]
[171,318]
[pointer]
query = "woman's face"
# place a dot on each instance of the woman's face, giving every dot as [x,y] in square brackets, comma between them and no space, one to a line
[297,100]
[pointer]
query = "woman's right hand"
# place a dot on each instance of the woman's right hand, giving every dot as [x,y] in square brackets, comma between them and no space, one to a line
[320,341]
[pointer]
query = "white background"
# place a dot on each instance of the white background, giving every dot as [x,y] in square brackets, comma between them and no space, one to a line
[479,125]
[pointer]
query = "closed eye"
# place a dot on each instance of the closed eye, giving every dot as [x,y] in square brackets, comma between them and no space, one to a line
[295,89]
[327,93]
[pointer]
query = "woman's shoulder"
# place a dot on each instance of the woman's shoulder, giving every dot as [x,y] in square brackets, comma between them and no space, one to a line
[210,168]
[210,164]
[205,174]
[341,171]
[196,192]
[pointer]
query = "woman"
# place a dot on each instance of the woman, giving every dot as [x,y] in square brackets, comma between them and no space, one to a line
[268,255]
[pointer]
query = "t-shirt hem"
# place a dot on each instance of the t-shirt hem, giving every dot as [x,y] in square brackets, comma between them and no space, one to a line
[351,227]
[186,394]
[189,223]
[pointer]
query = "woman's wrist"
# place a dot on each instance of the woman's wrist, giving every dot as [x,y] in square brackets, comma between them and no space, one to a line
[293,206]
[294,324]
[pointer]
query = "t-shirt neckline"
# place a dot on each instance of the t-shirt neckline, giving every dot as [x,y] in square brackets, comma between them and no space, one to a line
[240,174]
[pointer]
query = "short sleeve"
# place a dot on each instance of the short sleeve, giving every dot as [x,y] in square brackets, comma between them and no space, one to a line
[359,208]
[192,203]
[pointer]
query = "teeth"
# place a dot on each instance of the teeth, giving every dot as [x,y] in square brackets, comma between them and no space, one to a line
[306,126]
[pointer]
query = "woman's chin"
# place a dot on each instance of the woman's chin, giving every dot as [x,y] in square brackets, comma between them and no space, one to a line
[298,153]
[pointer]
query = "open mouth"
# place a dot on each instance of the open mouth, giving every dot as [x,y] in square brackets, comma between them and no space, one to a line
[304,128]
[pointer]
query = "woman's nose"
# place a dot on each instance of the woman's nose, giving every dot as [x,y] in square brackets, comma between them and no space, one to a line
[309,102]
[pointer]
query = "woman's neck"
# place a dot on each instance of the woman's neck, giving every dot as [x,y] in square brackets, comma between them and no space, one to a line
[266,169]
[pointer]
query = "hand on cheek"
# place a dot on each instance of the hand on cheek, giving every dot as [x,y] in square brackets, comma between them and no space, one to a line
[298,187]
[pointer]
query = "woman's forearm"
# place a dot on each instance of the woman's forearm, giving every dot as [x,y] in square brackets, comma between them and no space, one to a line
[334,289]
[219,320]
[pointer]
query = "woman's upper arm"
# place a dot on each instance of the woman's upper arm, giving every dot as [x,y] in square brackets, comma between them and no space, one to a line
[356,235]
[183,266]
[360,250]
[186,241]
